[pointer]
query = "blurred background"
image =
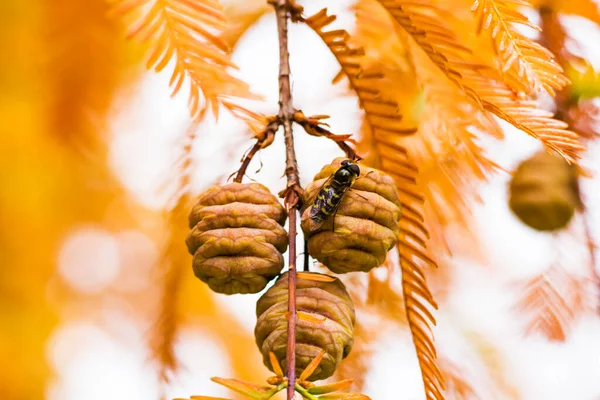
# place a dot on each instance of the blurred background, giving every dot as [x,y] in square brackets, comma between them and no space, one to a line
[97,294]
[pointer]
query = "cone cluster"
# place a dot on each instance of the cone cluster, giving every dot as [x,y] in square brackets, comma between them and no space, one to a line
[544,192]
[237,240]
[325,322]
[237,237]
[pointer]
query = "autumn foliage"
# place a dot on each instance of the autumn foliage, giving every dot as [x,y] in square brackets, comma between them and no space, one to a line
[442,88]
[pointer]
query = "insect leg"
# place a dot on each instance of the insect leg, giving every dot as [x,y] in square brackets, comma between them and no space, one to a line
[306,257]
[359,195]
[333,219]
[365,175]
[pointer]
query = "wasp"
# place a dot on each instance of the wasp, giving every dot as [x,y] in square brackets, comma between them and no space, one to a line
[330,195]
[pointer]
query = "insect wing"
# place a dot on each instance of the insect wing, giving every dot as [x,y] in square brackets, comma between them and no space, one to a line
[314,197]
[323,205]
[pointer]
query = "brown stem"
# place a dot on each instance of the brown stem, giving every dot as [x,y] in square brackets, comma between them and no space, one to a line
[264,139]
[242,171]
[350,153]
[314,126]
[293,191]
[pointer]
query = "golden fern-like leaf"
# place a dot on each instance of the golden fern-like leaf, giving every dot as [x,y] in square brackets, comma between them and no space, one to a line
[417,303]
[241,18]
[381,113]
[450,161]
[552,301]
[372,32]
[423,21]
[529,67]
[173,265]
[481,82]
[445,149]
[173,262]
[384,152]
[458,387]
[189,31]
[524,114]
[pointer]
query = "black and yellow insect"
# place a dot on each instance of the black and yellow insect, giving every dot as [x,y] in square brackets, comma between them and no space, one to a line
[331,193]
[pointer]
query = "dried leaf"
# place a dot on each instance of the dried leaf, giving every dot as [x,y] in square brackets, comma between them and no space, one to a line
[344,396]
[315,277]
[312,318]
[332,387]
[310,368]
[275,364]
[246,388]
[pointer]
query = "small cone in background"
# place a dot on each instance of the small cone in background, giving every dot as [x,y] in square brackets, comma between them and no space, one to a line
[366,223]
[326,320]
[544,192]
[237,237]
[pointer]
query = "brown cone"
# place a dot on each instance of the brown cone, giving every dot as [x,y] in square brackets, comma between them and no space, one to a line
[237,237]
[544,192]
[366,223]
[325,322]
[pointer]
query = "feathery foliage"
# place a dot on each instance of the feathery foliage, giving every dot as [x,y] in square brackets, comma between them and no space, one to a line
[385,129]
[240,19]
[381,113]
[458,386]
[481,82]
[445,148]
[552,302]
[172,264]
[529,66]
[183,30]
[431,77]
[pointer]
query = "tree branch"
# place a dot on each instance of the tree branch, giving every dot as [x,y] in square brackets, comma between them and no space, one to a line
[314,126]
[264,139]
[293,191]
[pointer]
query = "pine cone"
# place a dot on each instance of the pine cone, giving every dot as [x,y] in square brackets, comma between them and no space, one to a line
[544,192]
[237,237]
[366,223]
[325,322]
